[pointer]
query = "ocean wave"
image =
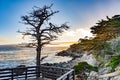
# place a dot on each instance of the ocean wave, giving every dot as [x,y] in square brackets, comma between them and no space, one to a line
[27,56]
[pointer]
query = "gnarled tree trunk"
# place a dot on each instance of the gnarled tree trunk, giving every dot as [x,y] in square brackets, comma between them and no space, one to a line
[38,56]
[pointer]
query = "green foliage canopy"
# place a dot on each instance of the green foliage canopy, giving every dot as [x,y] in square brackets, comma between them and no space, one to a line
[107,29]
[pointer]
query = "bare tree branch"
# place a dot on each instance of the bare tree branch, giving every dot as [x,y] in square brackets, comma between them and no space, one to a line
[42,34]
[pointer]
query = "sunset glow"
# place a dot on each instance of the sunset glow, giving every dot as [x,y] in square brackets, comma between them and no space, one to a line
[82,16]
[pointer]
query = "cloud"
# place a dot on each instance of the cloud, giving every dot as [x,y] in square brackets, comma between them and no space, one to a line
[89,19]
[74,35]
[81,28]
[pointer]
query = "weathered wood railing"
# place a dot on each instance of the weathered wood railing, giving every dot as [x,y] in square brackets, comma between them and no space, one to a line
[70,75]
[30,72]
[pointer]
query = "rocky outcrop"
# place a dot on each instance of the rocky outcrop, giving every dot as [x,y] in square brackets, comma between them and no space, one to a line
[90,59]
[68,52]
[111,76]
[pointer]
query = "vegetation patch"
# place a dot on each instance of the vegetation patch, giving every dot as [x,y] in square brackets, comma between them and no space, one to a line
[83,67]
[114,61]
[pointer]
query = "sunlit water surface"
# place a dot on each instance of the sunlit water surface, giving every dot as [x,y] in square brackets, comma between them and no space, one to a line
[12,56]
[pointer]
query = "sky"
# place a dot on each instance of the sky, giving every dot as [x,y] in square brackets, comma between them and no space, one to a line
[81,15]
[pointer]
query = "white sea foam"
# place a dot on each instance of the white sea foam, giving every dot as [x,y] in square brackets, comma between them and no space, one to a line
[27,56]
[52,58]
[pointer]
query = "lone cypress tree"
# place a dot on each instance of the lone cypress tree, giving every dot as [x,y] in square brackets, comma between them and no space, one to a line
[42,29]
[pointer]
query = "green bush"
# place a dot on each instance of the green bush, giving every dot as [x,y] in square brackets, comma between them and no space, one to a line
[117,48]
[114,61]
[83,67]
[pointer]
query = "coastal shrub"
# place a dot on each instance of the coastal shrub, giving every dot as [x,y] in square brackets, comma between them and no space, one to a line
[107,29]
[83,67]
[117,48]
[114,61]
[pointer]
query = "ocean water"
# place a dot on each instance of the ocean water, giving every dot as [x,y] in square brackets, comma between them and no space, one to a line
[12,56]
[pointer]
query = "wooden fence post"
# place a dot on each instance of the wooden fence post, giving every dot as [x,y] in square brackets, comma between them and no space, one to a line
[25,73]
[12,77]
[73,75]
[68,77]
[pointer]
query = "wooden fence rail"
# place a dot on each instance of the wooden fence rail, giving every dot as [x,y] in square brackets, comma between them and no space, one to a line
[26,73]
[70,75]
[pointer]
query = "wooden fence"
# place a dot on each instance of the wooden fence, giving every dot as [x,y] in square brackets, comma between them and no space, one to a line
[70,75]
[26,73]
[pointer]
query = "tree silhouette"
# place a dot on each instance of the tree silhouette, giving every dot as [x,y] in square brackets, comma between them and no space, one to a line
[42,30]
